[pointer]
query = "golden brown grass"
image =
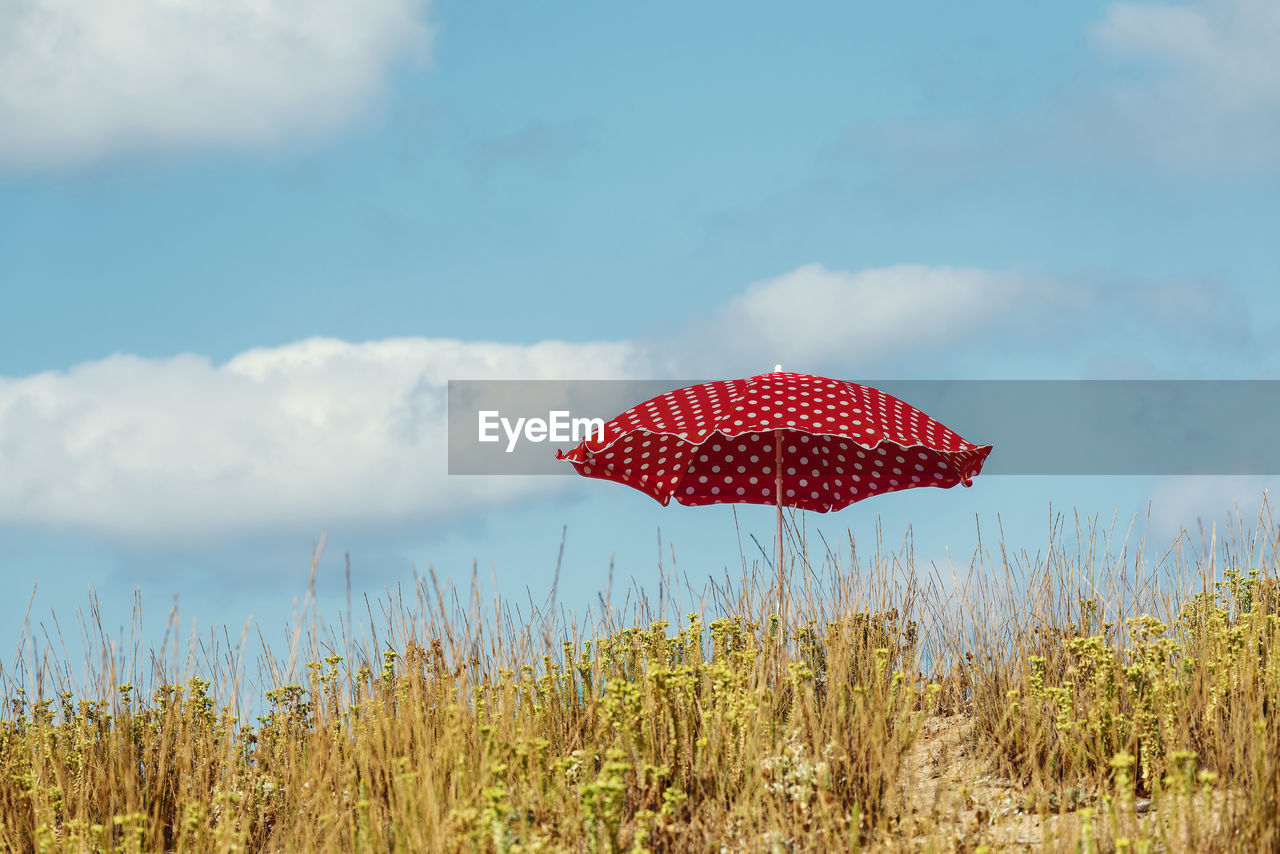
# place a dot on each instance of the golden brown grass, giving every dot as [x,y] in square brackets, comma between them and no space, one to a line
[1087,699]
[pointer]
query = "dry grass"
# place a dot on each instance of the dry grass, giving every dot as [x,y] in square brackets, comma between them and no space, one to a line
[1085,699]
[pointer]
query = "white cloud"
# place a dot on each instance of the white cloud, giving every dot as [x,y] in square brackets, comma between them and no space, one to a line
[914,320]
[814,312]
[80,80]
[1225,505]
[1223,51]
[295,438]
[323,433]
[814,316]
[1175,87]
[1207,95]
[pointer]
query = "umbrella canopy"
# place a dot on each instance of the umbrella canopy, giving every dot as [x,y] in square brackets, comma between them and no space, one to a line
[780,438]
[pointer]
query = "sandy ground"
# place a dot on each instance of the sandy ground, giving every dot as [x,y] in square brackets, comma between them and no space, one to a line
[960,804]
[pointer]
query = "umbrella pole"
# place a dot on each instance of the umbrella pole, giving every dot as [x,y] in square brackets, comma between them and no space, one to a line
[777,494]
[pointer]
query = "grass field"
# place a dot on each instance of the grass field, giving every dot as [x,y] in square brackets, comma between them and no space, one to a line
[1097,696]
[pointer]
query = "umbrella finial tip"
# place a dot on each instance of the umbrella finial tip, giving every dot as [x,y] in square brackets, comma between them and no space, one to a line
[777,368]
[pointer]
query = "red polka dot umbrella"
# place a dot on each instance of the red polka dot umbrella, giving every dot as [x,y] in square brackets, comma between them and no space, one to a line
[781,438]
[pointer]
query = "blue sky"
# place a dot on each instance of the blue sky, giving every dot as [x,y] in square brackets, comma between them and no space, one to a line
[237,242]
